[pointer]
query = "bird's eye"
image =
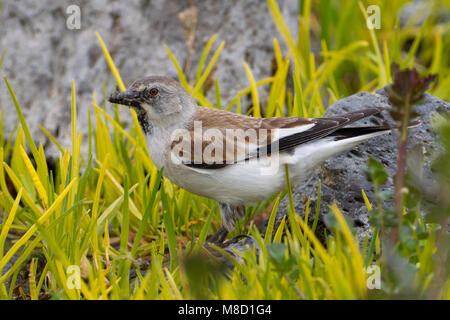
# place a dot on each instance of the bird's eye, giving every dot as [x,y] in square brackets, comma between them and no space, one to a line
[153,92]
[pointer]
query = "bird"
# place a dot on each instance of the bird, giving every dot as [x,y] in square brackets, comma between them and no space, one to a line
[235,159]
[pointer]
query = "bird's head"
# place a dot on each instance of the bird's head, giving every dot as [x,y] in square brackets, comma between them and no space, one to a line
[159,100]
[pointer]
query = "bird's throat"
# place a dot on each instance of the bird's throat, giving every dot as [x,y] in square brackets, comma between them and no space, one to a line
[144,122]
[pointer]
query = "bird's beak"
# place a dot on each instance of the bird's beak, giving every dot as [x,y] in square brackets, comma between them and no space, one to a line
[127,98]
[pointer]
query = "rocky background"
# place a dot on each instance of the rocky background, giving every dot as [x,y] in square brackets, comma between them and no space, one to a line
[344,176]
[43,55]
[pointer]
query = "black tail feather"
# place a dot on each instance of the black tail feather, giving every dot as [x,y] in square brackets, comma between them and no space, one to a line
[345,133]
[349,132]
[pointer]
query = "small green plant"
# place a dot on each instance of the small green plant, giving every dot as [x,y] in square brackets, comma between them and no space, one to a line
[407,90]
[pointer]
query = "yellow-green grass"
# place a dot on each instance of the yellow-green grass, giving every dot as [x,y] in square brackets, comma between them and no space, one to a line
[130,231]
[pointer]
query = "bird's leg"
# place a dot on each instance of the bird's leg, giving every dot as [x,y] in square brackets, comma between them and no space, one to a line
[229,214]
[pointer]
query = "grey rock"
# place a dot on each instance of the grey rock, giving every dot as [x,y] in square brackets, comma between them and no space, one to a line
[43,55]
[342,177]
[417,11]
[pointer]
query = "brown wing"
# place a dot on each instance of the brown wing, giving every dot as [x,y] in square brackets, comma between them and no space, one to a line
[283,133]
[322,128]
[240,137]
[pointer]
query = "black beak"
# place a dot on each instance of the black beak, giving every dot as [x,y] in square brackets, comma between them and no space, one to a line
[127,98]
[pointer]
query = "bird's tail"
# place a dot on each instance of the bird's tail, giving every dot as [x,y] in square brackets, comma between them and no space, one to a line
[311,155]
[350,132]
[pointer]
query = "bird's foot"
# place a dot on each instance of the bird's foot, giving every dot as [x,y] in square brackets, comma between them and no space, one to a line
[218,237]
